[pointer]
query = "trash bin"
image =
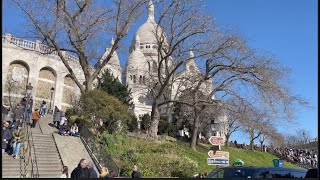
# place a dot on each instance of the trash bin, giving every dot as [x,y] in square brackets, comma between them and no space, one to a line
[278,163]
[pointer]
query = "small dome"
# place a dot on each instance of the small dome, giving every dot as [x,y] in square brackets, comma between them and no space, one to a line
[114,61]
[148,31]
[136,61]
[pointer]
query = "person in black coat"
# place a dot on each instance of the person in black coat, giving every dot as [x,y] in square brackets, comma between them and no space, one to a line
[56,116]
[5,136]
[16,112]
[136,173]
[81,171]
[92,172]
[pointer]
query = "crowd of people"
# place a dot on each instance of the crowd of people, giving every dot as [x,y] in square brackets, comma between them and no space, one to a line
[86,169]
[60,121]
[301,157]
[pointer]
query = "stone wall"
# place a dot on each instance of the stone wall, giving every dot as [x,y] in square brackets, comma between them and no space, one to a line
[16,85]
[42,71]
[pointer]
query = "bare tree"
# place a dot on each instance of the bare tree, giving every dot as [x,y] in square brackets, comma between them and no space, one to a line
[179,26]
[234,110]
[267,132]
[276,140]
[78,27]
[292,140]
[303,135]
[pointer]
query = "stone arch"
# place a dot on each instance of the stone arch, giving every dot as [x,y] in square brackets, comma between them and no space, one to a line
[16,81]
[47,80]
[68,95]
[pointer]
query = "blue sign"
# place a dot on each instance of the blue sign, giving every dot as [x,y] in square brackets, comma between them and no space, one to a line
[218,161]
[278,163]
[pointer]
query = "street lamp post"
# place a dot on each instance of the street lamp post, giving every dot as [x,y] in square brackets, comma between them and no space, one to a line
[50,111]
[29,91]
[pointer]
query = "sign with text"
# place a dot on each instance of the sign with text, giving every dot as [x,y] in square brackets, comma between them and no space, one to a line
[215,140]
[218,161]
[218,154]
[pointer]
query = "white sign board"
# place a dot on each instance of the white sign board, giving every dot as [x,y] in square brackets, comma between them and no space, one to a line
[218,161]
[218,154]
[215,140]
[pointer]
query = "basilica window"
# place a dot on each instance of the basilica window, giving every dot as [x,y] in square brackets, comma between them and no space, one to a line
[147,46]
[134,78]
[141,47]
[154,47]
[140,79]
[131,77]
[144,80]
[154,66]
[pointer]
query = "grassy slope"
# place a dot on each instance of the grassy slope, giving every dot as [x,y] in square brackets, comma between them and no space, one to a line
[250,158]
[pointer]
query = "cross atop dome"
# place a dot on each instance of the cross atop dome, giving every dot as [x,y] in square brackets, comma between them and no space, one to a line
[112,42]
[150,10]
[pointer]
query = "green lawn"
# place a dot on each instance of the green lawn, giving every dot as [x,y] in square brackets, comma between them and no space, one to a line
[250,158]
[153,155]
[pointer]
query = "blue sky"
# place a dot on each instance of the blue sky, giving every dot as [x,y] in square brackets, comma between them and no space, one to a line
[286,28]
[289,30]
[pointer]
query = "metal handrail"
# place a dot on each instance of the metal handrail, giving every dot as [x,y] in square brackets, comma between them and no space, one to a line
[34,160]
[26,153]
[95,150]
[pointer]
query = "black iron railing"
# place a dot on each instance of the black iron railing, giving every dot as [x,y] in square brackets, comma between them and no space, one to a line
[97,151]
[26,154]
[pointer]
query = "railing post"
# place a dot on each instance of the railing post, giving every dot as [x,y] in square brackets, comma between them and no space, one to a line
[8,37]
[37,48]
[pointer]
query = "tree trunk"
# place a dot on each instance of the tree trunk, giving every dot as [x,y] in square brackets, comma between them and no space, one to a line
[88,84]
[195,133]
[155,118]
[227,140]
[252,144]
[261,143]
[169,112]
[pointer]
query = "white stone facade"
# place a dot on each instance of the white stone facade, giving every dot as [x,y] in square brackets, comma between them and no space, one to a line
[141,63]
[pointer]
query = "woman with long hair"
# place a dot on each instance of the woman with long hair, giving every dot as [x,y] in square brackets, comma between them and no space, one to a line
[65,173]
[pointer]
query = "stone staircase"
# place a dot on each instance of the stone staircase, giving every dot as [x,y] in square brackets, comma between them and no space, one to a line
[46,153]
[10,167]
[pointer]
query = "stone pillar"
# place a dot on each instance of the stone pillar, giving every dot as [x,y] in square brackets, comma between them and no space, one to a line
[38,45]
[33,79]
[58,92]
[8,37]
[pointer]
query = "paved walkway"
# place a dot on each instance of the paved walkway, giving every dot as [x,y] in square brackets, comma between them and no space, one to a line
[71,148]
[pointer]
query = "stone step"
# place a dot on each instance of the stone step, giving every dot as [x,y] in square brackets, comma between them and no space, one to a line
[42,136]
[39,143]
[53,175]
[6,162]
[48,158]
[43,141]
[48,161]
[10,176]
[54,169]
[45,147]
[44,154]
[46,150]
